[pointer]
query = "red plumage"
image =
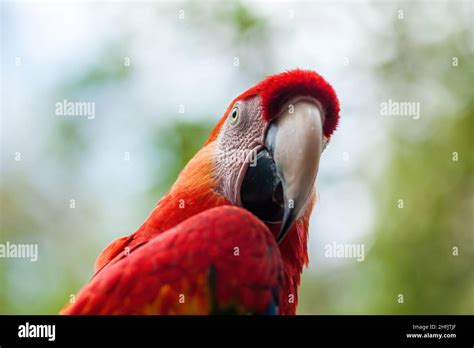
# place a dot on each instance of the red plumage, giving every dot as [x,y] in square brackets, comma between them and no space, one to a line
[276,90]
[223,259]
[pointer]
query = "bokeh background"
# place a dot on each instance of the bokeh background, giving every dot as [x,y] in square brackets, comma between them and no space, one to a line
[187,61]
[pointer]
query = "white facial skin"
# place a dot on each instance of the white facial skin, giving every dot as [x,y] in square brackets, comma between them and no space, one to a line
[299,142]
[238,141]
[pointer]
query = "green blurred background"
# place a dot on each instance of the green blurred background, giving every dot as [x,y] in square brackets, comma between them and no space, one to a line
[188,60]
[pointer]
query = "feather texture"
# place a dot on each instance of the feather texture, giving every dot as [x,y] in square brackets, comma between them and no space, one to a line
[223,259]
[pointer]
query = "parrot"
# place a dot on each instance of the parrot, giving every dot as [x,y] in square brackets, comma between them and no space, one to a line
[231,234]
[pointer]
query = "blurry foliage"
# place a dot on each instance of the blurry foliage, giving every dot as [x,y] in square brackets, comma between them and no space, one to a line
[109,68]
[413,247]
[234,28]
[181,140]
[412,250]
[69,141]
[110,72]
[247,24]
[46,219]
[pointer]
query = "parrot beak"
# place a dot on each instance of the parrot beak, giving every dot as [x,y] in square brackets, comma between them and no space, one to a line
[278,187]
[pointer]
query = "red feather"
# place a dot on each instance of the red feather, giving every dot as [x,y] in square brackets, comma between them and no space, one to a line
[277,89]
[224,258]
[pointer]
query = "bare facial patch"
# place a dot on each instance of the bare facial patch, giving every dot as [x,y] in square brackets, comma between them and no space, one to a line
[239,139]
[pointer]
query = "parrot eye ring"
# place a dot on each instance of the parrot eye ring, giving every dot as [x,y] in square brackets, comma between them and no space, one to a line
[234,116]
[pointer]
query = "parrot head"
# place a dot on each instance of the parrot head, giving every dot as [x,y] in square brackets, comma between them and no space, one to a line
[268,146]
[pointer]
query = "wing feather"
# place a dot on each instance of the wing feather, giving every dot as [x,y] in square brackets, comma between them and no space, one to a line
[224,258]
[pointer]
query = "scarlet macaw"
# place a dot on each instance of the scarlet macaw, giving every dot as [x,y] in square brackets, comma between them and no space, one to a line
[231,235]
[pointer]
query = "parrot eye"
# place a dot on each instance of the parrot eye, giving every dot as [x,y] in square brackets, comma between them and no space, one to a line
[234,116]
